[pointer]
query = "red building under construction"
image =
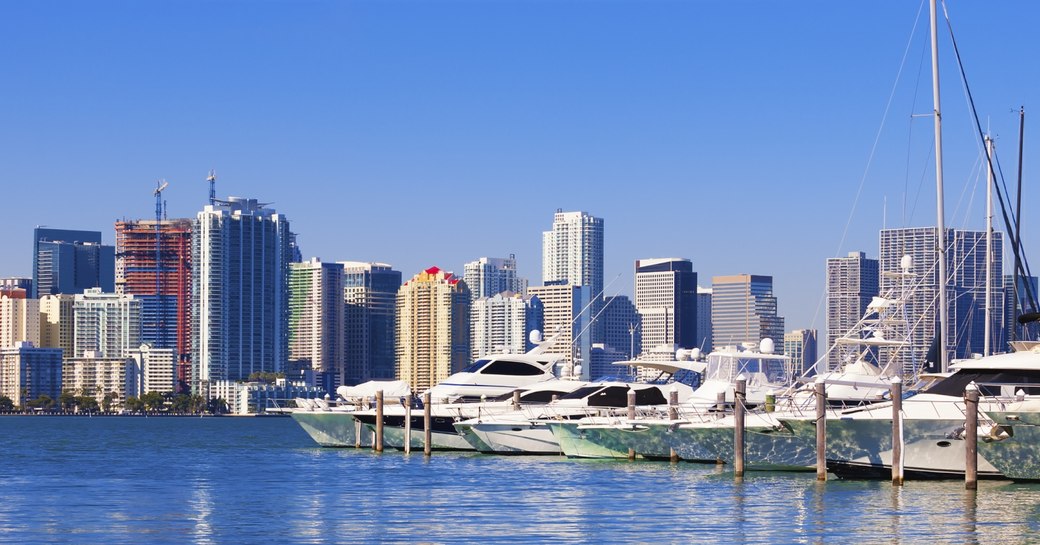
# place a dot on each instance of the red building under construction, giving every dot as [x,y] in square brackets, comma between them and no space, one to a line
[153,263]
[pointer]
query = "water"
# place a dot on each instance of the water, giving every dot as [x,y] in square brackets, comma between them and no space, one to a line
[261,480]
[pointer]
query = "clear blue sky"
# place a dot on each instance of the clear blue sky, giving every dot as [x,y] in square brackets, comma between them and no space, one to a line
[432,133]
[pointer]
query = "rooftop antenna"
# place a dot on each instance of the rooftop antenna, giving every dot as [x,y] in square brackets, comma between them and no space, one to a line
[212,179]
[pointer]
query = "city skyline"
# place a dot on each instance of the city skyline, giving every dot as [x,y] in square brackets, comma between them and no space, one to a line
[381,118]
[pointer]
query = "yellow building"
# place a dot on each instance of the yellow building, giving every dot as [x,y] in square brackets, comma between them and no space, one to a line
[432,328]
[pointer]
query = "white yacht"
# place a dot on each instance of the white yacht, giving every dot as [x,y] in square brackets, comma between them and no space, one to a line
[859,440]
[331,423]
[526,431]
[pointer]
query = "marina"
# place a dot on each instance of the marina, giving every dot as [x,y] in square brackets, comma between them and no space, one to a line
[263,480]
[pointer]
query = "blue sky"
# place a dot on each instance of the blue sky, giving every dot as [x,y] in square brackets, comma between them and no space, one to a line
[432,133]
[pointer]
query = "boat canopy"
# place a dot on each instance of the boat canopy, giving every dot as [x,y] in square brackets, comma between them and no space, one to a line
[390,388]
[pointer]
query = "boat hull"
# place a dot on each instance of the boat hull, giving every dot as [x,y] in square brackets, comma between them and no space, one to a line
[331,429]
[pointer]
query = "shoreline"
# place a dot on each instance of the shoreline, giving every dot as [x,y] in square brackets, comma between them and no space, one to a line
[146,415]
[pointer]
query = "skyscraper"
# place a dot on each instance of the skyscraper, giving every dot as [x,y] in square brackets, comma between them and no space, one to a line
[743,310]
[503,323]
[316,317]
[852,282]
[28,372]
[19,318]
[666,298]
[432,328]
[66,261]
[153,263]
[622,331]
[241,252]
[1027,288]
[965,263]
[105,323]
[800,347]
[704,339]
[572,253]
[562,308]
[489,276]
[58,322]
[370,321]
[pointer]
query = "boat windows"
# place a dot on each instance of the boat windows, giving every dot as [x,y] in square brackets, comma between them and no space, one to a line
[990,382]
[511,368]
[611,396]
[540,396]
[650,396]
[475,366]
[581,393]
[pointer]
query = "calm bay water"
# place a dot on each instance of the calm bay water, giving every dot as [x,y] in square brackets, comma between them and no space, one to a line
[261,480]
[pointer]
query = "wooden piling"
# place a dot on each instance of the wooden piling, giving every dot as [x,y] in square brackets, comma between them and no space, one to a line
[739,396]
[673,414]
[408,423]
[720,402]
[427,438]
[378,444]
[631,418]
[897,431]
[971,437]
[821,431]
[516,400]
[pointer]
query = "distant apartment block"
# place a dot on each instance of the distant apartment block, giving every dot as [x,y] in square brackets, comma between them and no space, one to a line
[19,318]
[744,310]
[801,349]
[432,328]
[241,251]
[95,375]
[852,282]
[666,298]
[316,317]
[156,369]
[572,253]
[622,330]
[370,321]
[562,309]
[58,322]
[489,276]
[16,282]
[503,323]
[28,372]
[965,265]
[106,324]
[704,339]
[67,261]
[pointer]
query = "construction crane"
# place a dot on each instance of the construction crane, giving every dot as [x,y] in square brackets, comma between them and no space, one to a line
[160,185]
[212,179]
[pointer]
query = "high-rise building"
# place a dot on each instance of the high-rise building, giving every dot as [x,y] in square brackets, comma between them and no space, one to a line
[370,321]
[622,331]
[572,253]
[744,311]
[105,323]
[432,328]
[489,276]
[503,323]
[95,375]
[601,362]
[316,333]
[800,348]
[852,282]
[19,318]
[153,263]
[241,252]
[965,291]
[156,369]
[666,298]
[1010,328]
[66,261]
[704,339]
[28,372]
[58,322]
[16,282]
[562,310]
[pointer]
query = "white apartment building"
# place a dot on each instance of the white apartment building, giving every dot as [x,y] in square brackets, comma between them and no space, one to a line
[503,323]
[106,323]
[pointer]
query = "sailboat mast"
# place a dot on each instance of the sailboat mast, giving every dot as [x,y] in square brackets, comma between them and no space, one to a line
[940,220]
[989,247]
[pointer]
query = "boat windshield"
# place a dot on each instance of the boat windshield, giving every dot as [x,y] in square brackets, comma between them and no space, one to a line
[726,367]
[475,366]
[582,392]
[512,369]
[995,382]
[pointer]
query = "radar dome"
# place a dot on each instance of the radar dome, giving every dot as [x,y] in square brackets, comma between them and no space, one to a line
[577,370]
[906,262]
[535,336]
[766,346]
[695,354]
